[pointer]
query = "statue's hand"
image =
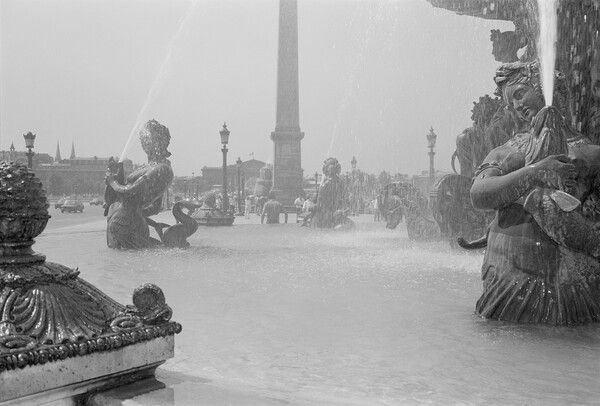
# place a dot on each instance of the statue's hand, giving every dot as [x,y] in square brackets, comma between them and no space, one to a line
[556,171]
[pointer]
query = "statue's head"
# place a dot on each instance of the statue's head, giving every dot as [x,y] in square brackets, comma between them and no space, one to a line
[519,84]
[331,167]
[155,139]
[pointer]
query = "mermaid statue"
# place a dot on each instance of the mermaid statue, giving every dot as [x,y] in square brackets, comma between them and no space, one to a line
[330,197]
[131,201]
[542,259]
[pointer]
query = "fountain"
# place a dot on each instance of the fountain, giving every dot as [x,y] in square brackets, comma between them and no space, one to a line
[61,338]
[208,214]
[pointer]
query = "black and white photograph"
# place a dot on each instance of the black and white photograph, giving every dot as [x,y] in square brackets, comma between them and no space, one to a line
[299,202]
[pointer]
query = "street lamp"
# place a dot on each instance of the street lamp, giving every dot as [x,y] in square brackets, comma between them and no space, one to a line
[29,139]
[316,181]
[192,195]
[238,163]
[224,140]
[431,137]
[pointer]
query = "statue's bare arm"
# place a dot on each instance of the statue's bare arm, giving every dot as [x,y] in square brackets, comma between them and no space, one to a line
[492,189]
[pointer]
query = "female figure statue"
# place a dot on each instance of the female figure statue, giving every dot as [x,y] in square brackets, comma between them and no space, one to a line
[541,263]
[330,195]
[133,200]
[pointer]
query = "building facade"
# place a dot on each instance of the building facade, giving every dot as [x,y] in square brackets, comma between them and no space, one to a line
[74,176]
[249,172]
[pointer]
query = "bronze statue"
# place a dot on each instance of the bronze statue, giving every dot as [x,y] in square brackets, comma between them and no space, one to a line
[342,222]
[131,201]
[541,263]
[176,235]
[330,197]
[448,215]
[493,125]
[505,45]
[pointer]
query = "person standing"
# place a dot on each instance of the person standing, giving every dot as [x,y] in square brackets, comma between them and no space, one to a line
[298,204]
[271,210]
[247,206]
[375,210]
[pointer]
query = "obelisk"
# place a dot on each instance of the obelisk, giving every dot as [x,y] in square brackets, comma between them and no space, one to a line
[287,168]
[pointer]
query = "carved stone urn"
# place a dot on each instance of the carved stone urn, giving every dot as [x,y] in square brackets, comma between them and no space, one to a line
[55,324]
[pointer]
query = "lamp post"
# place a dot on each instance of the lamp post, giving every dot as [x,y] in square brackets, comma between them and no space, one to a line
[192,195]
[431,137]
[238,163]
[224,140]
[29,139]
[316,181]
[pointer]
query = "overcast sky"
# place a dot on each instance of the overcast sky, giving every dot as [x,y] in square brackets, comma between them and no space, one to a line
[374,76]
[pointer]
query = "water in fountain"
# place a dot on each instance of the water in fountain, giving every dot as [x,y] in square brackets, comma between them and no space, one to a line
[284,315]
[547,46]
[158,80]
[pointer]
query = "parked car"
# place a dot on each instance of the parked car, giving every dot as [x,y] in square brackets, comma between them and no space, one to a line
[58,204]
[72,206]
[96,202]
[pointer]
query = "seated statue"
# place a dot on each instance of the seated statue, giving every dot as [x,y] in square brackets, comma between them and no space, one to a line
[541,263]
[131,201]
[330,196]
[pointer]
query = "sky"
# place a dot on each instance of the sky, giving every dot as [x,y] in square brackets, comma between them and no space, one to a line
[374,76]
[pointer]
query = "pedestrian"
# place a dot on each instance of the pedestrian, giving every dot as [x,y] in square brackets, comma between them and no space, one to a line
[271,210]
[376,210]
[298,203]
[308,209]
[248,206]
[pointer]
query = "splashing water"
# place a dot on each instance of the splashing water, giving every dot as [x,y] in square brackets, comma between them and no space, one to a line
[547,46]
[151,96]
[375,19]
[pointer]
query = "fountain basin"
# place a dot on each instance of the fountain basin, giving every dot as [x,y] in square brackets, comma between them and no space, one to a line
[212,217]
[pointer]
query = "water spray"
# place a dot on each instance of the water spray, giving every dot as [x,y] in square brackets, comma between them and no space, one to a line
[151,96]
[547,46]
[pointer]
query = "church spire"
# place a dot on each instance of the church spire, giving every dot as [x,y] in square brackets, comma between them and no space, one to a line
[12,146]
[73,150]
[57,158]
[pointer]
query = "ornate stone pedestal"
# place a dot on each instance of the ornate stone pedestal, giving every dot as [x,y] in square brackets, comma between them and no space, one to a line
[60,337]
